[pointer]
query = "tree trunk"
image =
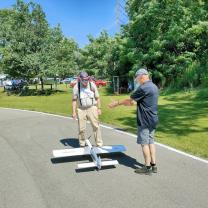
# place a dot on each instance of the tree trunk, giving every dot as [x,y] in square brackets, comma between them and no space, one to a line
[55,83]
[41,82]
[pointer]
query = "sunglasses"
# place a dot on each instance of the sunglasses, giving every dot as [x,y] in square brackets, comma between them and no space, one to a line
[84,79]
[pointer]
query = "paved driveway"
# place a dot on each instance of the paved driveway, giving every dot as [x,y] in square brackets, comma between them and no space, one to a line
[31,178]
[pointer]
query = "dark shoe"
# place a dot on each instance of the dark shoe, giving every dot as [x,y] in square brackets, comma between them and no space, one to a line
[154,168]
[143,170]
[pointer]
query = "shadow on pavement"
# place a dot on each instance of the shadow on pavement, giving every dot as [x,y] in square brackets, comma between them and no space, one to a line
[72,142]
[125,160]
[94,169]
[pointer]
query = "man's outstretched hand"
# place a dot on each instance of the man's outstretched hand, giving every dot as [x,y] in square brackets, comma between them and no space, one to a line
[74,115]
[113,104]
[126,102]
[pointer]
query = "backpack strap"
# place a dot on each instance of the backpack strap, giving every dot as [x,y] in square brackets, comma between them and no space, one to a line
[93,90]
[79,93]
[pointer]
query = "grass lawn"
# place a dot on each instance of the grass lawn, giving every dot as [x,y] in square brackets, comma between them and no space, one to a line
[183,115]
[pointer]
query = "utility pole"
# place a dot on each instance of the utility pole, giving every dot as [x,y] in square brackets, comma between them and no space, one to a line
[121,16]
[117,15]
[121,19]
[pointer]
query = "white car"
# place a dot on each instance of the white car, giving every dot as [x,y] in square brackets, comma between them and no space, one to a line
[67,80]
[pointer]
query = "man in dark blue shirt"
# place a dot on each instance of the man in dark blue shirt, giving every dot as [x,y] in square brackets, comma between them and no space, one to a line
[146,97]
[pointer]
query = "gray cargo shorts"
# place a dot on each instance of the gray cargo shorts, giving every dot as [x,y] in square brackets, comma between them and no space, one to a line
[145,135]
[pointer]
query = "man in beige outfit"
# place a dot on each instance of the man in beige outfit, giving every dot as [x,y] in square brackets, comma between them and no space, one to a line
[86,106]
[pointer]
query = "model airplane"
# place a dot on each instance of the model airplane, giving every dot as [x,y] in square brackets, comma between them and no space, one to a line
[93,152]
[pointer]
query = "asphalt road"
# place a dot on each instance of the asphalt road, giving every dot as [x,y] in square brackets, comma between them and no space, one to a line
[31,178]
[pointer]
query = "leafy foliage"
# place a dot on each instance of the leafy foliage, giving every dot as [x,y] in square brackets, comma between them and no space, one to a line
[30,48]
[167,37]
[97,55]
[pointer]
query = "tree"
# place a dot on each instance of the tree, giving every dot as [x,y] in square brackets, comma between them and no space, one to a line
[64,54]
[29,48]
[24,41]
[167,37]
[97,55]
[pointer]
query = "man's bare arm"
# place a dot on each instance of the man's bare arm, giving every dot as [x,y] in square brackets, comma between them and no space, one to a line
[98,103]
[99,106]
[74,108]
[125,102]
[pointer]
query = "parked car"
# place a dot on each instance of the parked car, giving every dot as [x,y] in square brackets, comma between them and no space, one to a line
[2,79]
[15,85]
[34,80]
[67,80]
[100,83]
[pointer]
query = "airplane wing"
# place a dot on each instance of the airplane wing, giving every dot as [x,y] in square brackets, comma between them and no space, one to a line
[92,164]
[86,151]
[71,152]
[109,149]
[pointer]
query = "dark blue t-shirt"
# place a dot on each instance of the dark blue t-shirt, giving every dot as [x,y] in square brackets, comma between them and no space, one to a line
[146,97]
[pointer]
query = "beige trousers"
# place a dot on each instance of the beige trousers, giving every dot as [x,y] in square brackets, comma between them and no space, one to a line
[90,114]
